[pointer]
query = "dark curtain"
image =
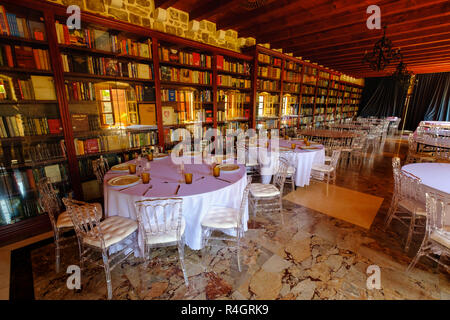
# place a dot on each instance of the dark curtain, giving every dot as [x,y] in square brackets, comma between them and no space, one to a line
[382,97]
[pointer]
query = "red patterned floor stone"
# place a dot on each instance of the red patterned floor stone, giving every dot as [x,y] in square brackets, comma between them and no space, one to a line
[216,287]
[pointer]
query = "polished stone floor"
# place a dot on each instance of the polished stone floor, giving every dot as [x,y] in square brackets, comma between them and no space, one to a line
[309,256]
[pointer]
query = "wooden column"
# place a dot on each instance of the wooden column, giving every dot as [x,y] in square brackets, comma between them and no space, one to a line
[159,120]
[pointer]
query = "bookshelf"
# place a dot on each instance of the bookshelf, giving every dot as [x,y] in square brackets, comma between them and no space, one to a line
[113,83]
[32,141]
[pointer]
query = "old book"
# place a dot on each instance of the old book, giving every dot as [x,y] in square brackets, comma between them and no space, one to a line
[54,126]
[37,30]
[24,57]
[168,115]
[147,113]
[43,87]
[80,122]
[53,173]
[143,71]
[102,40]
[91,146]
[79,63]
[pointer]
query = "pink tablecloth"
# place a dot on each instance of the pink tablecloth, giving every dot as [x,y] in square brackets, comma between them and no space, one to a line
[198,197]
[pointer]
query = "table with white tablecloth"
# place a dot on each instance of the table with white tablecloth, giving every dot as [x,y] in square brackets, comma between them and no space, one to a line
[301,158]
[435,177]
[198,197]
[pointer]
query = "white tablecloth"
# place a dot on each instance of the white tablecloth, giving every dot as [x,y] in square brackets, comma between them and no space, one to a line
[209,192]
[301,160]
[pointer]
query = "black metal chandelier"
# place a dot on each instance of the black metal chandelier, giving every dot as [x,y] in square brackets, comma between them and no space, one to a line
[382,53]
[401,74]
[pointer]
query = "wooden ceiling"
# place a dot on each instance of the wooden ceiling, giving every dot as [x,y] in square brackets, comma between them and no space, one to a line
[333,32]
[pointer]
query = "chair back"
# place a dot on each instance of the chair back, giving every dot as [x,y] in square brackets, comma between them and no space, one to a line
[335,158]
[438,209]
[243,207]
[159,216]
[100,167]
[280,177]
[48,200]
[85,219]
[410,187]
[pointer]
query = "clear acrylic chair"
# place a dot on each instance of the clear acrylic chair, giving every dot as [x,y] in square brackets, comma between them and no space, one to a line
[100,167]
[97,237]
[220,219]
[414,155]
[161,224]
[406,206]
[59,219]
[268,197]
[437,233]
[328,171]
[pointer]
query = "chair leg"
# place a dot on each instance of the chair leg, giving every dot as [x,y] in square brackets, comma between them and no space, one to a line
[181,255]
[204,244]
[238,252]
[412,226]
[390,213]
[107,273]
[57,252]
[281,210]
[419,254]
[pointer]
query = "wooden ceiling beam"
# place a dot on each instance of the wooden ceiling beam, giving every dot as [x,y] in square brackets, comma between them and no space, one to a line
[273,9]
[165,3]
[210,8]
[346,37]
[394,13]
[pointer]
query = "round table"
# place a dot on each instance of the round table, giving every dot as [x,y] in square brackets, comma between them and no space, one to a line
[198,197]
[301,159]
[433,175]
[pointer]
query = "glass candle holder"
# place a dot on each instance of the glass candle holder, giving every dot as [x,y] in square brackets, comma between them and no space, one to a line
[216,171]
[132,168]
[126,157]
[188,178]
[305,139]
[150,156]
[293,145]
[145,176]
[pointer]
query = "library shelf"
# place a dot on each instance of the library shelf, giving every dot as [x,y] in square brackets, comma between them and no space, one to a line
[186,66]
[69,75]
[232,73]
[184,84]
[233,88]
[25,70]
[69,48]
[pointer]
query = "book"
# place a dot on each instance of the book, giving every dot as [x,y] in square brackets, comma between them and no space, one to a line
[168,116]
[91,146]
[80,122]
[102,40]
[24,57]
[12,22]
[79,63]
[4,26]
[43,87]
[219,62]
[37,30]
[54,126]
[143,71]
[147,113]
[53,173]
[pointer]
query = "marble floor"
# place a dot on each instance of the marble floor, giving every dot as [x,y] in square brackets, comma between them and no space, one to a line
[310,256]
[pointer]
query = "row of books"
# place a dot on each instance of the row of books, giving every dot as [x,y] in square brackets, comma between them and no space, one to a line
[232,66]
[267,124]
[102,40]
[308,90]
[324,74]
[106,67]
[232,126]
[233,114]
[307,99]
[233,97]
[291,65]
[19,126]
[292,76]
[34,88]
[24,57]
[12,25]
[168,73]
[269,72]
[188,58]
[267,85]
[321,91]
[307,111]
[289,122]
[291,87]
[80,91]
[269,59]
[309,70]
[309,79]
[27,153]
[186,95]
[322,83]
[229,81]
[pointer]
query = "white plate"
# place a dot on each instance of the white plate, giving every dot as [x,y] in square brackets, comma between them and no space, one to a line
[134,180]
[121,165]
[160,157]
[226,165]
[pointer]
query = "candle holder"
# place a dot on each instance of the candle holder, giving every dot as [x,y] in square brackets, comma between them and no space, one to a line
[293,145]
[150,156]
[132,168]
[145,176]
[188,178]
[216,171]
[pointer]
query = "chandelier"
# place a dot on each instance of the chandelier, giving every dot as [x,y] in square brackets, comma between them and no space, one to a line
[382,53]
[401,74]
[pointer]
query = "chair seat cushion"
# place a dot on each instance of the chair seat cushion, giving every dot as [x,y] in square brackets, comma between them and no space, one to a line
[260,190]
[322,167]
[441,237]
[167,237]
[64,220]
[327,158]
[114,230]
[413,206]
[290,171]
[221,218]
